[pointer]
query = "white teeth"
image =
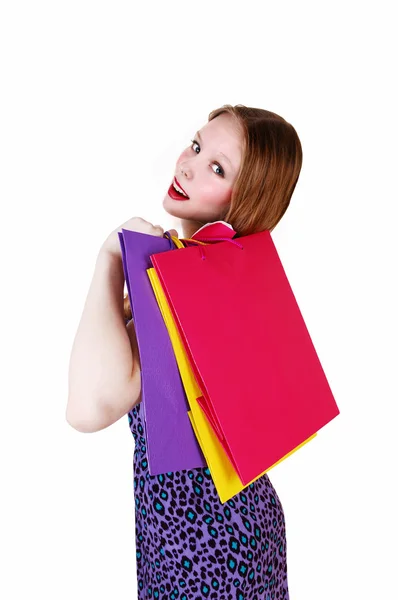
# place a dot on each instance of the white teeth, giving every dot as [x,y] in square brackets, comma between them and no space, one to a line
[175,186]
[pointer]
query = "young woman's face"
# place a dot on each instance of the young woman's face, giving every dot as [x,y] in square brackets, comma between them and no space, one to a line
[206,172]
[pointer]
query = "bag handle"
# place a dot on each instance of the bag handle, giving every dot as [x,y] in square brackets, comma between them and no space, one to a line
[180,242]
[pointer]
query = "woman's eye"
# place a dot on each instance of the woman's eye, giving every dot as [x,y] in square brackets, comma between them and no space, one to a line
[196,148]
[220,170]
[195,143]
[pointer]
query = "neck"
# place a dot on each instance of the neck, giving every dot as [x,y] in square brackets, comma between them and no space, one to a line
[190,227]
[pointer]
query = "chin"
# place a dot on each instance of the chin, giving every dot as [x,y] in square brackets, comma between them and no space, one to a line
[174,207]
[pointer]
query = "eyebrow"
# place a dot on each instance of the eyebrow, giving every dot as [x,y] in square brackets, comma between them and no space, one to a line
[219,153]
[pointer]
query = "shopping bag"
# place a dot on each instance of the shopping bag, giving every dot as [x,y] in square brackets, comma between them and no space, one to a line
[225,478]
[170,440]
[264,390]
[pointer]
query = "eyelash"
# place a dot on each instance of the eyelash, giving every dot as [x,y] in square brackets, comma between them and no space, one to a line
[216,163]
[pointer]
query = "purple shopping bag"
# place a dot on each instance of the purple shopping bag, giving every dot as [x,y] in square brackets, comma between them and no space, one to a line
[170,438]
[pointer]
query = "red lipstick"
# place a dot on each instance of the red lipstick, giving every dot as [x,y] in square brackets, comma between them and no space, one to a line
[172,192]
[180,186]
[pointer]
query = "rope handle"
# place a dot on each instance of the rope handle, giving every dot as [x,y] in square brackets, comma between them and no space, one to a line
[179,242]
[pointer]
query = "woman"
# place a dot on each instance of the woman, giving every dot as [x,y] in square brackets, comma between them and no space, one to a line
[242,167]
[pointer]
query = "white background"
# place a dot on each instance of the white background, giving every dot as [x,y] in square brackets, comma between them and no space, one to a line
[97,100]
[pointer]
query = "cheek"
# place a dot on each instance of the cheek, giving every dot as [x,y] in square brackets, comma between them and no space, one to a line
[184,155]
[216,193]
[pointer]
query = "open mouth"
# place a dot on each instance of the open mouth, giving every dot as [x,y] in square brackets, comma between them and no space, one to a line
[176,192]
[178,188]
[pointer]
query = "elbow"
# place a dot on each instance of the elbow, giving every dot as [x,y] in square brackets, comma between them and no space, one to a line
[88,417]
[84,421]
[83,426]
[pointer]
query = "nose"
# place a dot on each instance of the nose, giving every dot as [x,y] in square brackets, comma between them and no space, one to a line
[185,171]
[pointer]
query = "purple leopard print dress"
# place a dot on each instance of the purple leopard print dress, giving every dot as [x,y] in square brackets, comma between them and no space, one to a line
[189,546]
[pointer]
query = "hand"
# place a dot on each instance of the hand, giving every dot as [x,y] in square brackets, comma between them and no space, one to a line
[112,243]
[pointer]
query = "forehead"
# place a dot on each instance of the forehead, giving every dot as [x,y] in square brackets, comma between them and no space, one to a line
[224,134]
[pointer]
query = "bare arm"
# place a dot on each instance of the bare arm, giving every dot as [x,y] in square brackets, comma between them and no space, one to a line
[104,369]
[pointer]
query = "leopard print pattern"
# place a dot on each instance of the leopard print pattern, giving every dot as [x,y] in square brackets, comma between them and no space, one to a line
[189,546]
